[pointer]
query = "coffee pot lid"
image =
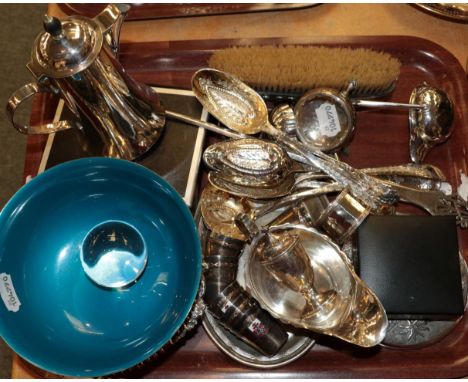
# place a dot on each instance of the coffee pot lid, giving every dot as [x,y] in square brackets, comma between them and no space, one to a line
[65,47]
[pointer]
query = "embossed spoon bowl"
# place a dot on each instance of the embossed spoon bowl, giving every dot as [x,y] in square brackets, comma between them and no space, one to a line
[252,162]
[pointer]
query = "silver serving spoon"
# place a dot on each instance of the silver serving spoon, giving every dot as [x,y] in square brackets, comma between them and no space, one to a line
[240,108]
[223,183]
[258,163]
[252,162]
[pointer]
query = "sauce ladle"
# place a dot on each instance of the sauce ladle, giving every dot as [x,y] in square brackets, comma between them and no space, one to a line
[325,118]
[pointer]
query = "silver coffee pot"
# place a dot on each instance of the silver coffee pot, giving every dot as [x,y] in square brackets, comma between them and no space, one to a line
[77,59]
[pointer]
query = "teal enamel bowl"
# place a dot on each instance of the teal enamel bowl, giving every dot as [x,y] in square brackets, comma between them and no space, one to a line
[100,264]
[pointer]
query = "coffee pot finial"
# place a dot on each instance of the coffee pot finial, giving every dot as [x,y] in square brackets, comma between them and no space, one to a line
[53,26]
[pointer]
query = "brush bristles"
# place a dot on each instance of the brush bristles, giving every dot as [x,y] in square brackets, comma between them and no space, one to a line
[292,68]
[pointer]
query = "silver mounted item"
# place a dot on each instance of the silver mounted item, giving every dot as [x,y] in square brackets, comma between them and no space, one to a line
[234,309]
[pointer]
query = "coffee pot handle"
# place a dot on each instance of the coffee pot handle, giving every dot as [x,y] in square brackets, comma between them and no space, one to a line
[24,93]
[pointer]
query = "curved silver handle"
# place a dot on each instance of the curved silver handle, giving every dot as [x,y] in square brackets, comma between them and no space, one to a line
[388,105]
[24,93]
[111,19]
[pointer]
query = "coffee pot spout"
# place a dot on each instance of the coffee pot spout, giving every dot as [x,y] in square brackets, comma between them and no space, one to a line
[110,21]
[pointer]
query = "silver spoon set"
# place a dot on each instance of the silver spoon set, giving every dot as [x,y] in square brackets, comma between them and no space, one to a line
[261,193]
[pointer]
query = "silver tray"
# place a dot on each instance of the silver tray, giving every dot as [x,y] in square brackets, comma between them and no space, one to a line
[453,11]
[419,333]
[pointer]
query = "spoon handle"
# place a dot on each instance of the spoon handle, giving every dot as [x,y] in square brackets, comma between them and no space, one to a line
[413,170]
[369,190]
[387,105]
[297,197]
[206,125]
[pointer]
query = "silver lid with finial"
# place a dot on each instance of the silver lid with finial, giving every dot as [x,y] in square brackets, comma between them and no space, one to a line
[65,47]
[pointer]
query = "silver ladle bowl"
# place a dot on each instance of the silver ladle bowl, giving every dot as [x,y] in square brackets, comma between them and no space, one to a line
[431,125]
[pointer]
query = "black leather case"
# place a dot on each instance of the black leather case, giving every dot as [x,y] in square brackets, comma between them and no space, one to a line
[412,265]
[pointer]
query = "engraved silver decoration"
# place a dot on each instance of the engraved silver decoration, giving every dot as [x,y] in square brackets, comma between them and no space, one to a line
[251,162]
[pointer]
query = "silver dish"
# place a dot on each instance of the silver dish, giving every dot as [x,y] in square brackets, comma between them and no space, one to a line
[453,11]
[297,344]
[358,317]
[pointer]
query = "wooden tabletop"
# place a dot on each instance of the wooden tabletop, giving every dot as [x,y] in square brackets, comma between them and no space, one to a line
[321,20]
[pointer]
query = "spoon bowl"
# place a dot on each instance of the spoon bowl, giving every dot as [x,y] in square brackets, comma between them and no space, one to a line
[257,193]
[431,125]
[230,100]
[252,162]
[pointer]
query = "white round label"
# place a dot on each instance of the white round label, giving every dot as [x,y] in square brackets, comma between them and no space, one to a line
[329,124]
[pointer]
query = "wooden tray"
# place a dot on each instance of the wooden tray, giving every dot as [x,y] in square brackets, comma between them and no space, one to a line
[161,11]
[381,138]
